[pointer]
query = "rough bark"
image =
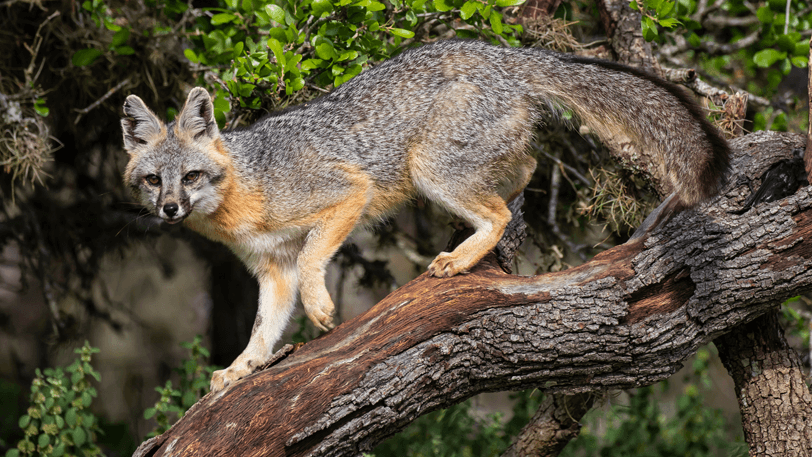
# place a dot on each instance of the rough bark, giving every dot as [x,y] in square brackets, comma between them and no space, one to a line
[775,402]
[553,426]
[622,25]
[627,318]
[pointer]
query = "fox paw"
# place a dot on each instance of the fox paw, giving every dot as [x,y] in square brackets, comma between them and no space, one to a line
[221,379]
[446,265]
[321,315]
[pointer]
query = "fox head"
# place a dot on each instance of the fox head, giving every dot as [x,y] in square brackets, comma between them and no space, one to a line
[179,168]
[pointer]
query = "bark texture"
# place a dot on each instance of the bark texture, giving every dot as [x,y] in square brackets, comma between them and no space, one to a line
[627,318]
[775,402]
[556,422]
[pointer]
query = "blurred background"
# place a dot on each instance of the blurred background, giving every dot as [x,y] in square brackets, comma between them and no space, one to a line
[81,261]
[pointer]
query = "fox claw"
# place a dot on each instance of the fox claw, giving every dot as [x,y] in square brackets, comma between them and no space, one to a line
[445,265]
[322,317]
[221,379]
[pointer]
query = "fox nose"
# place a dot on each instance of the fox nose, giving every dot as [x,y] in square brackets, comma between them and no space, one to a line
[171,209]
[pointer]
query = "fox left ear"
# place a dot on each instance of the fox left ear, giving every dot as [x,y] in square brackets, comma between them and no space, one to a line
[139,125]
[196,119]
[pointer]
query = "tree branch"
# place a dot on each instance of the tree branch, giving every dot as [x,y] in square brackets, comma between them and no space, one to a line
[629,317]
[771,388]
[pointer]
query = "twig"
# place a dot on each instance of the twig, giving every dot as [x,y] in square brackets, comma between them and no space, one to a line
[98,102]
[34,49]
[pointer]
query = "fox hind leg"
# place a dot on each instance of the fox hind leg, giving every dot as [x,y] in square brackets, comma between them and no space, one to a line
[489,216]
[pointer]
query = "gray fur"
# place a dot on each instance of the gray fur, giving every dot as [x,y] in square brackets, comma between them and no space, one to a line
[451,121]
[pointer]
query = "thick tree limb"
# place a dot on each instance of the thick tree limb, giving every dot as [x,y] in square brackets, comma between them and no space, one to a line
[629,317]
[775,402]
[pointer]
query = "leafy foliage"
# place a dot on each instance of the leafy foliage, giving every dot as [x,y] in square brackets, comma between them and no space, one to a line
[58,421]
[195,375]
[262,52]
[641,427]
[459,431]
[752,45]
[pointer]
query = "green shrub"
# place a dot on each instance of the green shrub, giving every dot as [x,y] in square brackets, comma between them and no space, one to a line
[195,376]
[58,421]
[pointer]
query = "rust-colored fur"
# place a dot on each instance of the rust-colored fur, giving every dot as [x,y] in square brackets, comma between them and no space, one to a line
[449,121]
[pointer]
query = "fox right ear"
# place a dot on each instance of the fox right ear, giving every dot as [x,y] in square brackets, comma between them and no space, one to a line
[140,125]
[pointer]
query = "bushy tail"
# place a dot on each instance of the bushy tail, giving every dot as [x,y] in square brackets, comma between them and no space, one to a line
[623,103]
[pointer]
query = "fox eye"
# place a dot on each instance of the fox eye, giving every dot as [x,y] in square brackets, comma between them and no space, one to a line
[191,177]
[153,180]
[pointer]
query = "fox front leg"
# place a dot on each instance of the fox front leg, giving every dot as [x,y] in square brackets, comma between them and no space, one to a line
[277,298]
[322,242]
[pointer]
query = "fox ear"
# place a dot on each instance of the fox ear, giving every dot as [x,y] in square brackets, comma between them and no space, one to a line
[196,119]
[140,125]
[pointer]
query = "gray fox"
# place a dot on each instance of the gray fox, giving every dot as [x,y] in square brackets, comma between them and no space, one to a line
[450,121]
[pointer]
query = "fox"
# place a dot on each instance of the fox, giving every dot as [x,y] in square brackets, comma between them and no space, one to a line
[450,121]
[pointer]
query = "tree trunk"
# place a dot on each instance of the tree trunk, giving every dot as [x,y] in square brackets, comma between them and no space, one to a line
[629,317]
[775,402]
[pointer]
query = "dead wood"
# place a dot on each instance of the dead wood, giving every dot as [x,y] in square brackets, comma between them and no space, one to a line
[629,317]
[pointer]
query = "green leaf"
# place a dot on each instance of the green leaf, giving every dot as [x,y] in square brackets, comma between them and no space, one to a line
[633,5]
[149,412]
[786,66]
[376,6]
[40,108]
[79,436]
[767,57]
[191,55]
[222,18]
[120,37]
[468,10]
[84,57]
[188,399]
[496,22]
[348,55]
[765,15]
[86,399]
[59,450]
[122,51]
[321,7]
[278,52]
[276,13]
[504,3]
[665,9]
[800,61]
[649,29]
[401,32]
[24,420]
[13,453]
[70,417]
[310,64]
[43,440]
[801,48]
[786,43]
[442,6]
[325,51]
[246,89]
[669,23]
[296,84]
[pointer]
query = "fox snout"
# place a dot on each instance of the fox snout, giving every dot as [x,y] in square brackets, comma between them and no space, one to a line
[173,211]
